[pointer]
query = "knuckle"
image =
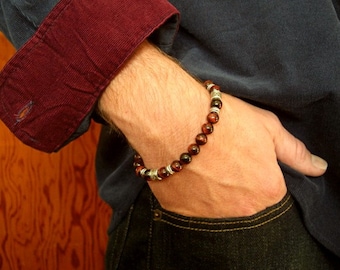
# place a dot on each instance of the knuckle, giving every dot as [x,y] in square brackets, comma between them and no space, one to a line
[300,151]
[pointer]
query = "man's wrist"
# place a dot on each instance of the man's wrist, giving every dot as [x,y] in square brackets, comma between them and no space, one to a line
[156,104]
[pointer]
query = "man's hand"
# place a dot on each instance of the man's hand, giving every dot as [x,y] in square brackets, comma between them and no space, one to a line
[160,109]
[236,173]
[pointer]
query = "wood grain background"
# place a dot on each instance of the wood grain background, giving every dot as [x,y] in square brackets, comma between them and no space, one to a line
[50,214]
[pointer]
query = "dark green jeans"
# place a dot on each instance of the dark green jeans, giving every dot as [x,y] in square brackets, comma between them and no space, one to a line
[153,238]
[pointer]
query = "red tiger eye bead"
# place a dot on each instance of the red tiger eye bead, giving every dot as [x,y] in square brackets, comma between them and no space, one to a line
[185,158]
[138,159]
[176,166]
[193,149]
[207,82]
[208,85]
[201,139]
[216,87]
[163,173]
[216,103]
[213,118]
[135,164]
[207,128]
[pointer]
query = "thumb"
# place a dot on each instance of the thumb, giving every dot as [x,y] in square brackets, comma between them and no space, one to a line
[294,153]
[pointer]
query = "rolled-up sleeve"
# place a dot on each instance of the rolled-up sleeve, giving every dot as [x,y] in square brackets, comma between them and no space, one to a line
[54,80]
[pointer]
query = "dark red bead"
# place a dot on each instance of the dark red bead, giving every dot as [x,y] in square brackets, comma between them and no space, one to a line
[193,149]
[215,87]
[185,158]
[213,118]
[207,128]
[138,159]
[201,139]
[138,169]
[163,173]
[207,82]
[216,103]
[176,166]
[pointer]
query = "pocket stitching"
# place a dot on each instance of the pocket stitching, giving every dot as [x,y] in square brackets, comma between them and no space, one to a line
[282,204]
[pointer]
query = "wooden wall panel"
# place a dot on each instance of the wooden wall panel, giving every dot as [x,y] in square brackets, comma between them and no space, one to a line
[50,214]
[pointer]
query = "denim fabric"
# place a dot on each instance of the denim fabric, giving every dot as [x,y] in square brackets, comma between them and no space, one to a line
[153,238]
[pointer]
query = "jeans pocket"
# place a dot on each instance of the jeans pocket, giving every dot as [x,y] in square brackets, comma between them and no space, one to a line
[274,238]
[153,238]
[221,225]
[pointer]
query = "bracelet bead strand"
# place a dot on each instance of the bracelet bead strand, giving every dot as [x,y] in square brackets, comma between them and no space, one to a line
[193,149]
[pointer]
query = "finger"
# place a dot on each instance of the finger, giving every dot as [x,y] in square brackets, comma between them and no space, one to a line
[294,153]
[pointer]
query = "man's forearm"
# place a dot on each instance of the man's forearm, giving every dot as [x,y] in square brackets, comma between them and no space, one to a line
[156,104]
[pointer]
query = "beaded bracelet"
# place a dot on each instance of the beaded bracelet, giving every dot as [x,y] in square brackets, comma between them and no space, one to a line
[193,149]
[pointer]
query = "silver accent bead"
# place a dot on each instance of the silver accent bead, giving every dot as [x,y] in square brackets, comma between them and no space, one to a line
[142,172]
[209,86]
[154,175]
[169,169]
[216,94]
[215,110]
